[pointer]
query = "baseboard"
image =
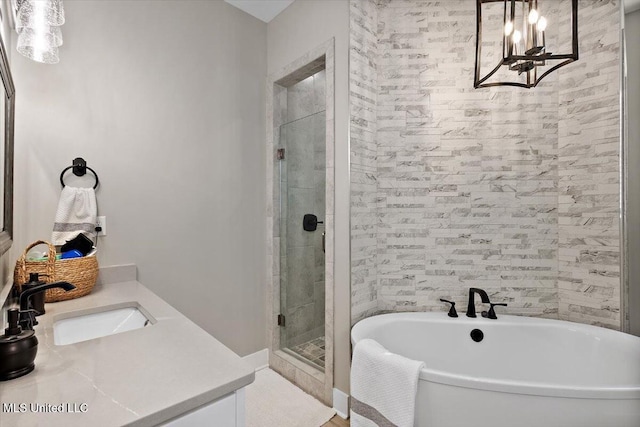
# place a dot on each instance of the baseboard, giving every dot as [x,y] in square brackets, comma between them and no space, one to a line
[258,360]
[341,403]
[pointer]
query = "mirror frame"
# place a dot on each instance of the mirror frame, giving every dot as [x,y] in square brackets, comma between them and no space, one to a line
[6,235]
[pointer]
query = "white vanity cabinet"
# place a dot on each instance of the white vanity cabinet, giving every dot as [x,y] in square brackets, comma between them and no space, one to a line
[192,379]
[228,411]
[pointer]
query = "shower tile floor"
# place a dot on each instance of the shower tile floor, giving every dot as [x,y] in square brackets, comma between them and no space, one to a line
[312,350]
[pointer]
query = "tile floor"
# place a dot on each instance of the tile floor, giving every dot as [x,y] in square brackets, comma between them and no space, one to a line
[312,350]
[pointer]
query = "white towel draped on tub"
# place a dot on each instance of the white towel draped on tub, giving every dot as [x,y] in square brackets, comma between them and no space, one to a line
[383,387]
[77,212]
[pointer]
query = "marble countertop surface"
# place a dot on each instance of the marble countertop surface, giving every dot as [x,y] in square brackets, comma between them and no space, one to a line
[137,378]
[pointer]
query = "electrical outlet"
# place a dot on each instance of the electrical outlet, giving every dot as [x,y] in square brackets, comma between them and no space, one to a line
[102,222]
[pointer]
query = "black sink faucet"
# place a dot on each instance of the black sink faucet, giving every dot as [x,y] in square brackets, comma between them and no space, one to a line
[471,308]
[27,316]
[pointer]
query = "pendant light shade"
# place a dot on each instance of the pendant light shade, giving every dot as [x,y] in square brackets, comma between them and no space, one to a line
[33,13]
[29,37]
[46,55]
[38,26]
[520,42]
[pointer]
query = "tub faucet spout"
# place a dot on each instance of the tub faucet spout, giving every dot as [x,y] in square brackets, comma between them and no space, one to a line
[471,308]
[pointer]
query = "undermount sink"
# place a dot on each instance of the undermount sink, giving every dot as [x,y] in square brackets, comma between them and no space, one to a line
[84,327]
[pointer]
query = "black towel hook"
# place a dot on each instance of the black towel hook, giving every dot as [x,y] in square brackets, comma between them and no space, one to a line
[79,169]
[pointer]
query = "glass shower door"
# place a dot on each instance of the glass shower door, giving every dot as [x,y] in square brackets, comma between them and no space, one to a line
[302,167]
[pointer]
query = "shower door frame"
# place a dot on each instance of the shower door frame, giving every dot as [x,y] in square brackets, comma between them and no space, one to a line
[315,382]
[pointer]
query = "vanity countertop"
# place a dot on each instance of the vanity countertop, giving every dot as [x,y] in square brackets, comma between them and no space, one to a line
[138,378]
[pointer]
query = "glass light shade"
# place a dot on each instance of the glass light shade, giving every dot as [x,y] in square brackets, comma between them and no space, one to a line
[44,54]
[38,13]
[56,33]
[50,36]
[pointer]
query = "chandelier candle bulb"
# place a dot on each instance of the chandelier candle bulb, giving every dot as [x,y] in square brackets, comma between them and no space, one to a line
[508,28]
[542,25]
[517,37]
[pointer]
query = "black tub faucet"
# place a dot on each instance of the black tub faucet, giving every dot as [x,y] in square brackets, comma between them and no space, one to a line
[27,316]
[452,310]
[471,308]
[491,314]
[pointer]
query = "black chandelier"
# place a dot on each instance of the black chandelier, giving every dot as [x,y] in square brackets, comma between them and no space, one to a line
[524,43]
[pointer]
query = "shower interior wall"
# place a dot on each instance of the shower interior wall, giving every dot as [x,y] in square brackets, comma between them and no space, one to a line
[511,190]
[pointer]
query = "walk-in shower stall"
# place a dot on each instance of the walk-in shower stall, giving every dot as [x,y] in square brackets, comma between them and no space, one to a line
[300,168]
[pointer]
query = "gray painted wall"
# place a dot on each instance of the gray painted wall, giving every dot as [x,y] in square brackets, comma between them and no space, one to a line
[632,29]
[165,100]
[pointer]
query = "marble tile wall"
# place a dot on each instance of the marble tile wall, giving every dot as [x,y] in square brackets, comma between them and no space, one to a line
[588,164]
[363,95]
[466,181]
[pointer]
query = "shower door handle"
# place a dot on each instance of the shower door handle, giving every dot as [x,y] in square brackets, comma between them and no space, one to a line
[310,222]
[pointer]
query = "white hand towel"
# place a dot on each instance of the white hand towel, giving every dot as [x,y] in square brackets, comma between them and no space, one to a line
[77,212]
[383,387]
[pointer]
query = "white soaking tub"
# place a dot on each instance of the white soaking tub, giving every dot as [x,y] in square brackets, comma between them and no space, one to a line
[524,372]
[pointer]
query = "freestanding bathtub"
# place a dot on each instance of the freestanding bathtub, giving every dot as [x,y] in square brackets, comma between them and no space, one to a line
[523,372]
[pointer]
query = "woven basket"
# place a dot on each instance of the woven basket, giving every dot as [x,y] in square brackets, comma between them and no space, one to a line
[80,272]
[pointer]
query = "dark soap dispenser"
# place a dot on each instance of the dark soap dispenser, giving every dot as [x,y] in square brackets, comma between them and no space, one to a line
[18,349]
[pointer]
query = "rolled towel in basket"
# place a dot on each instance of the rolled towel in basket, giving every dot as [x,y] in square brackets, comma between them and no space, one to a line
[77,212]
